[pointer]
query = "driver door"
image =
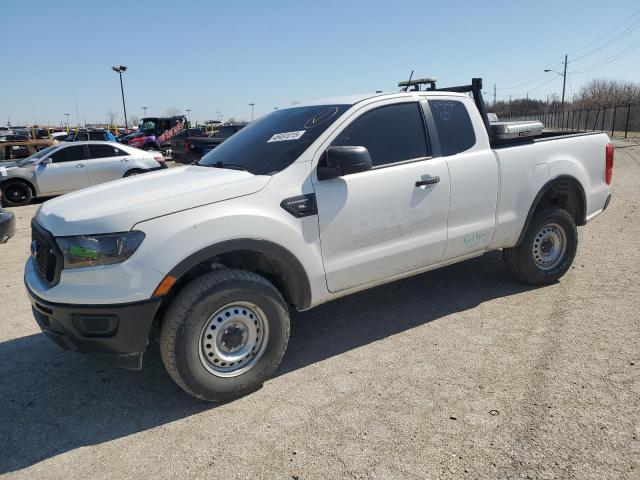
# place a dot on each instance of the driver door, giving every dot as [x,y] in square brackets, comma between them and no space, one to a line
[67,172]
[393,218]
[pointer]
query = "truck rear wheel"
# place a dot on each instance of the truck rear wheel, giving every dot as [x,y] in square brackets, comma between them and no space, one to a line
[224,334]
[547,250]
[16,193]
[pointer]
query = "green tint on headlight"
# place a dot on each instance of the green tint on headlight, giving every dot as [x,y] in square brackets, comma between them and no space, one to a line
[94,250]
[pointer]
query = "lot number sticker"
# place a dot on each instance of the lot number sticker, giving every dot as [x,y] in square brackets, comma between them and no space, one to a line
[286,136]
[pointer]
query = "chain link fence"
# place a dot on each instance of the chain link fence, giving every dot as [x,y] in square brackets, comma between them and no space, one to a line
[620,121]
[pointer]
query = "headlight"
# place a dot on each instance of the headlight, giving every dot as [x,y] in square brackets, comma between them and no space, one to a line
[94,250]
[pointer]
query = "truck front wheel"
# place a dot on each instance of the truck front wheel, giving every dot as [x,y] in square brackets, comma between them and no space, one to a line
[224,334]
[547,250]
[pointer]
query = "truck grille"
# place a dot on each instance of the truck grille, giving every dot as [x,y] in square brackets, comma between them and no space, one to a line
[45,252]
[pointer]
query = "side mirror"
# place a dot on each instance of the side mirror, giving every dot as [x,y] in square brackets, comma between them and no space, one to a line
[45,161]
[340,161]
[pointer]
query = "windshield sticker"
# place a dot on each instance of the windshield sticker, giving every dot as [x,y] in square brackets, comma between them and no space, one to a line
[321,117]
[286,136]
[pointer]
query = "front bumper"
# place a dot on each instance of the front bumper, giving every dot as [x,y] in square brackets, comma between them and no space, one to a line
[7,225]
[116,334]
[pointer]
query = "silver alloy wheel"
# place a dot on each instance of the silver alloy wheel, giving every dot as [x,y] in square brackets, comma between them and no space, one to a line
[549,246]
[233,339]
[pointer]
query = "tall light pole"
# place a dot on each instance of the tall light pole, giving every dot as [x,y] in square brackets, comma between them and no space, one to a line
[119,70]
[564,80]
[67,115]
[144,110]
[252,105]
[188,117]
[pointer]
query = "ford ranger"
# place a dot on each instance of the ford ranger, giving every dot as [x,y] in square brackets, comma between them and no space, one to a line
[300,207]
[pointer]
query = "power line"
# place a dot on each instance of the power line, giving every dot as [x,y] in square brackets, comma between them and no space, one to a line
[609,60]
[634,26]
[535,76]
[606,34]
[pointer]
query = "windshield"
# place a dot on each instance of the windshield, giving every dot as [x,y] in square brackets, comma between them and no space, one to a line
[275,141]
[41,154]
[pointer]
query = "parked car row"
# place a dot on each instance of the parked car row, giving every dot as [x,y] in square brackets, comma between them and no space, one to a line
[85,157]
[66,167]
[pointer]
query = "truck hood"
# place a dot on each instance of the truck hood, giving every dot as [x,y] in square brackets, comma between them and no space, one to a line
[117,206]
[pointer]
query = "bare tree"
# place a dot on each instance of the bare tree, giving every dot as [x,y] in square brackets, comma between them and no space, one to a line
[599,93]
[112,116]
[134,120]
[172,112]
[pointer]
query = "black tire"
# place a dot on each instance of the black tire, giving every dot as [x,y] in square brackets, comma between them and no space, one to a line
[133,172]
[16,193]
[526,261]
[186,321]
[150,148]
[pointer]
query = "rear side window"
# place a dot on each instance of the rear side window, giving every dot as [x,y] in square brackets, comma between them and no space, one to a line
[81,137]
[97,136]
[392,134]
[454,126]
[104,151]
[68,154]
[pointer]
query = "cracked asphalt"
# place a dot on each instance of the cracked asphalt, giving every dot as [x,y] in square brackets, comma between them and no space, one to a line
[459,373]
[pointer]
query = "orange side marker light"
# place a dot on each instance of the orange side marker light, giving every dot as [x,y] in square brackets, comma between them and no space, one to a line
[164,286]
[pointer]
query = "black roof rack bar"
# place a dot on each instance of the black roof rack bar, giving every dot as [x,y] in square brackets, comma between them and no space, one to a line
[431,82]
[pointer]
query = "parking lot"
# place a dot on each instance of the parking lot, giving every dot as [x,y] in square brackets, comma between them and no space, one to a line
[456,373]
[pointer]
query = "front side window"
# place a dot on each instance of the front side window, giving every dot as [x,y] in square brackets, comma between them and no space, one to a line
[454,126]
[273,142]
[68,154]
[392,134]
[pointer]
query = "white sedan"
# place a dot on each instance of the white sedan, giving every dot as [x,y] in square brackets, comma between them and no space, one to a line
[71,166]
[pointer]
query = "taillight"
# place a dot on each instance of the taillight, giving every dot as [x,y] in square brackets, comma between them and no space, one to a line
[608,169]
[187,146]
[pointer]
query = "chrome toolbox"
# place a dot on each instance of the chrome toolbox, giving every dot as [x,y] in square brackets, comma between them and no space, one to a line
[509,130]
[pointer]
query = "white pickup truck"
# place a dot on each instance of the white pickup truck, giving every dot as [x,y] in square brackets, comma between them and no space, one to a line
[302,206]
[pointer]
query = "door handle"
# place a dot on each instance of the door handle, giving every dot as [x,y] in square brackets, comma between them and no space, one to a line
[427,181]
[80,165]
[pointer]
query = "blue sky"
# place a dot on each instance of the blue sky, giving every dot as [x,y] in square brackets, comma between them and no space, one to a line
[220,56]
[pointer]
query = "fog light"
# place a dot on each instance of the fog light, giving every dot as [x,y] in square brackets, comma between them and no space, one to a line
[96,325]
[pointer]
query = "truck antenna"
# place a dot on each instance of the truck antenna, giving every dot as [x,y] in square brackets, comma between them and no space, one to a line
[406,89]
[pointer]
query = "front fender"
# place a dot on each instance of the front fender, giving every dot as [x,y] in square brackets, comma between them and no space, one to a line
[26,176]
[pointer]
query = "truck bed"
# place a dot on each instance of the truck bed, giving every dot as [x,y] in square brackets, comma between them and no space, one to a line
[554,154]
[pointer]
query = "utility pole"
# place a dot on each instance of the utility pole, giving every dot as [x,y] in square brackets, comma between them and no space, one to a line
[144,110]
[188,117]
[120,70]
[67,115]
[252,105]
[564,81]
